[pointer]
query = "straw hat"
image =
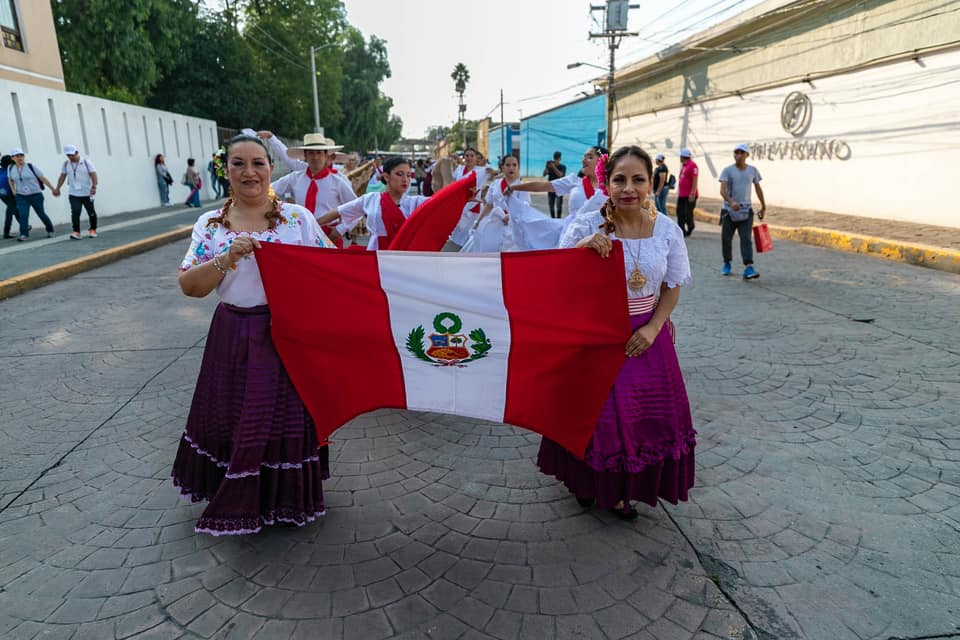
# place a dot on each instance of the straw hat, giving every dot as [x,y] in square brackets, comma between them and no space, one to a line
[316,142]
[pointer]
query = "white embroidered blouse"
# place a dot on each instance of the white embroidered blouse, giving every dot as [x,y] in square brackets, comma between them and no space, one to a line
[241,286]
[662,258]
[369,204]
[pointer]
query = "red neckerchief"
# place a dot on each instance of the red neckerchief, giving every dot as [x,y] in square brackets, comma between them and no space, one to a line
[588,189]
[311,202]
[392,218]
[503,185]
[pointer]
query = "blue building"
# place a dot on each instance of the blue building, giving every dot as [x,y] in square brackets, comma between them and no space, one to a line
[507,135]
[569,128]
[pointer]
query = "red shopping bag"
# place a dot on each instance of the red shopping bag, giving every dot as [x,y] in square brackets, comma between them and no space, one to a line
[761,237]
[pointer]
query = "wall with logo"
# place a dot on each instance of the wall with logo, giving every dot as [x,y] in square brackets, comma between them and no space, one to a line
[883,142]
[120,139]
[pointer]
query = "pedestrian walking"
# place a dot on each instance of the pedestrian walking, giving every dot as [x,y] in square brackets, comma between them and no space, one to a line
[687,191]
[26,183]
[7,197]
[249,447]
[81,177]
[385,211]
[419,175]
[736,215]
[191,180]
[164,179]
[212,172]
[661,183]
[220,165]
[643,445]
[554,171]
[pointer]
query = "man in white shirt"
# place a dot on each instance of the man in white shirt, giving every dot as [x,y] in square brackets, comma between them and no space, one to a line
[311,183]
[82,177]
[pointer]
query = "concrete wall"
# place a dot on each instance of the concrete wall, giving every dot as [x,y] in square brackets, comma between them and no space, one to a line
[120,139]
[883,142]
[569,129]
[39,62]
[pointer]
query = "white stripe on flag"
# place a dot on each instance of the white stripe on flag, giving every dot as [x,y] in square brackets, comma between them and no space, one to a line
[420,287]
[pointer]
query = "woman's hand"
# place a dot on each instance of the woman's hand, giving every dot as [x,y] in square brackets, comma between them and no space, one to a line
[506,218]
[641,340]
[599,242]
[240,248]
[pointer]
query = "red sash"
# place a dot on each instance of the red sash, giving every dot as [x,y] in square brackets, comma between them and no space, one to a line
[392,218]
[503,185]
[588,187]
[311,202]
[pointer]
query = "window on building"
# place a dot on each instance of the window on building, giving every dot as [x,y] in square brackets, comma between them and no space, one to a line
[10,25]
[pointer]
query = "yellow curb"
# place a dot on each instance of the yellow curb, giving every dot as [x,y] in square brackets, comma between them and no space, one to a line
[921,255]
[47,275]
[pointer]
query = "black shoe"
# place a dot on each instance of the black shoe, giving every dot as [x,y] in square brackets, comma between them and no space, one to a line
[585,502]
[627,514]
[9,237]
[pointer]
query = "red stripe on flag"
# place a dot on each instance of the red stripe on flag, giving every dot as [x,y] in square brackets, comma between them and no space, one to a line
[429,226]
[556,326]
[353,367]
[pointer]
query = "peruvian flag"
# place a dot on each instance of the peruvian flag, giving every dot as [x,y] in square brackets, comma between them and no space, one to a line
[429,226]
[530,339]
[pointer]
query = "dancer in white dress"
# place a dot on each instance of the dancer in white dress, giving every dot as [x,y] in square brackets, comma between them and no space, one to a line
[493,231]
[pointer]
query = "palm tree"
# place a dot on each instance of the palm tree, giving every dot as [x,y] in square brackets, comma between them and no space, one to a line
[461,76]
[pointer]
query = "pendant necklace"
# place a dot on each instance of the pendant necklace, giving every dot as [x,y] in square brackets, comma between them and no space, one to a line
[636,281]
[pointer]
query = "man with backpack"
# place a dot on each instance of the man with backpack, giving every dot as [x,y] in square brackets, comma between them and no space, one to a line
[27,184]
[83,188]
[663,181]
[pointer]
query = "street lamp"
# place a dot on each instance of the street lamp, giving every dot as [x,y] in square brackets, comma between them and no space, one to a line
[313,76]
[574,65]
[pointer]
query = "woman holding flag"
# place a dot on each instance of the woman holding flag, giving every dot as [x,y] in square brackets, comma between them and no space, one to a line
[385,211]
[643,445]
[249,446]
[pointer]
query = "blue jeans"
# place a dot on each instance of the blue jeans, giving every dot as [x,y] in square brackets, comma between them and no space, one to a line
[745,229]
[24,203]
[164,192]
[215,184]
[10,204]
[194,198]
[661,200]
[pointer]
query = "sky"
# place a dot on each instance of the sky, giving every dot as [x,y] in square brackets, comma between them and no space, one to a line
[520,46]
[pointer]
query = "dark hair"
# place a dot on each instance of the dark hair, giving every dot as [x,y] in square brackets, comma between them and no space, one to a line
[393,163]
[504,159]
[156,159]
[273,216]
[191,162]
[475,152]
[556,154]
[609,165]
[243,137]
[6,161]
[600,149]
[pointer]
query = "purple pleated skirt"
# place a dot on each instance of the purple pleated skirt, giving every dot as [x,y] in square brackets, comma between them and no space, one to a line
[643,446]
[249,446]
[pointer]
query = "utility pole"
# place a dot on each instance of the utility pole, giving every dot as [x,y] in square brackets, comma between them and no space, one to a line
[615,30]
[316,101]
[503,131]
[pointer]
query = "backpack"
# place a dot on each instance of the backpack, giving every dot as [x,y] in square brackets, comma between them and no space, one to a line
[34,172]
[672,182]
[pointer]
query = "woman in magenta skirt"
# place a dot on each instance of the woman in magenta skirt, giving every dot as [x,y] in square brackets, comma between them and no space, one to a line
[643,445]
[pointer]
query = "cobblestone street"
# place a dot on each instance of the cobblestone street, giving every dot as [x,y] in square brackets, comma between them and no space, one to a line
[826,395]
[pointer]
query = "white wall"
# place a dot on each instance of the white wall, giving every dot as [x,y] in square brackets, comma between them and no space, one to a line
[120,139]
[901,122]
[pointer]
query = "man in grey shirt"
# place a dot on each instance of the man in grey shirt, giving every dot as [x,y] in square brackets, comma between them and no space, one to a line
[737,213]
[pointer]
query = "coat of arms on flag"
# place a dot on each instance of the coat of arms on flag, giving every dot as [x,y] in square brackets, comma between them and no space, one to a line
[448,347]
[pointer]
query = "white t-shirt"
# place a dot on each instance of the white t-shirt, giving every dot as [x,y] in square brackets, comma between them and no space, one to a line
[369,205]
[78,176]
[332,191]
[661,258]
[242,286]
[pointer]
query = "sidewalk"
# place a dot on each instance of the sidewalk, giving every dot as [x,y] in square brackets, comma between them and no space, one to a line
[41,260]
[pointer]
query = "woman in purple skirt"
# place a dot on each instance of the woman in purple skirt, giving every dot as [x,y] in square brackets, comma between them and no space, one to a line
[642,448]
[249,446]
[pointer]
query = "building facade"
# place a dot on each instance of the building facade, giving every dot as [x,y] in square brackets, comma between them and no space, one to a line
[30,53]
[848,106]
[569,128]
[503,140]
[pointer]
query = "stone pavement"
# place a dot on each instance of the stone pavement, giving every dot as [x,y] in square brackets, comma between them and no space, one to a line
[827,503]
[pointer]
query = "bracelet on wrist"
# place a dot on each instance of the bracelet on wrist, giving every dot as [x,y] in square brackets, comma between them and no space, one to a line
[216,263]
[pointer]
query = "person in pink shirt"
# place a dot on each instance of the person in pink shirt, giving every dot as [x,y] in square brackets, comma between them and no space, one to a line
[687,191]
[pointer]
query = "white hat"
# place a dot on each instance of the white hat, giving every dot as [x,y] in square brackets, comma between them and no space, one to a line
[16,151]
[316,142]
[685,153]
[742,147]
[659,157]
[70,149]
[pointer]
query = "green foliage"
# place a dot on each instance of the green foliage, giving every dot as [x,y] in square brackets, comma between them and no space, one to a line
[415,344]
[480,345]
[455,139]
[247,64]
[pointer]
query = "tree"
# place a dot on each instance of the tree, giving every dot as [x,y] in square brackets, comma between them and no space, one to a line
[121,50]
[366,111]
[461,76]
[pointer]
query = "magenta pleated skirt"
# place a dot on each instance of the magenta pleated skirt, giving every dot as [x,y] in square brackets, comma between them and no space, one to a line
[249,447]
[643,446]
